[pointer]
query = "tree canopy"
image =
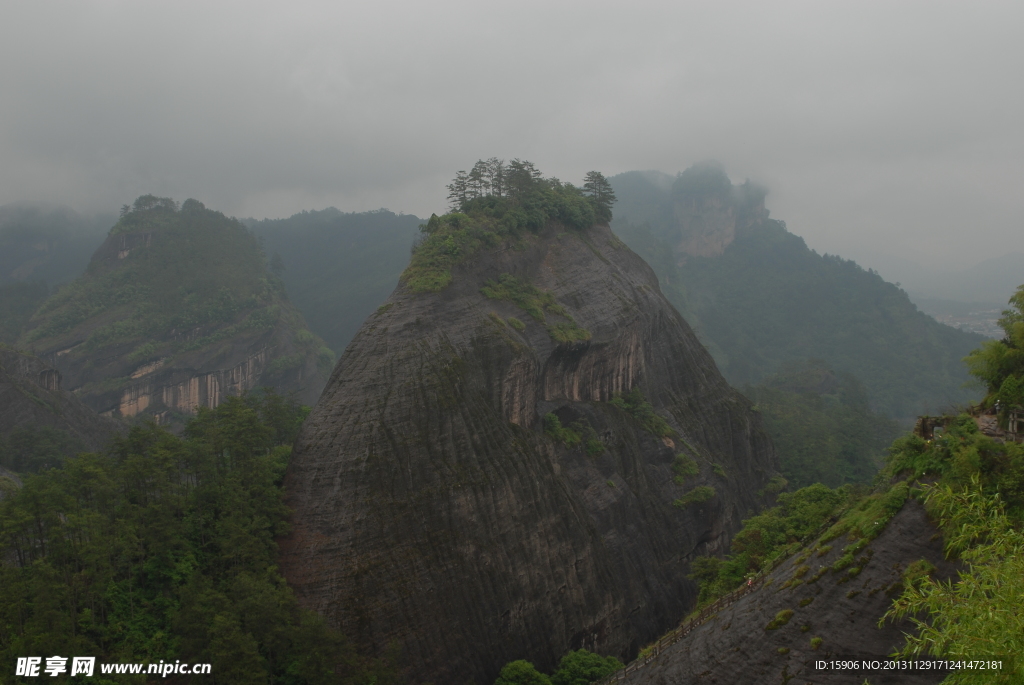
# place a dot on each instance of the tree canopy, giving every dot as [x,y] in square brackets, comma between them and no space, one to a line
[163,548]
[498,203]
[599,190]
[999,364]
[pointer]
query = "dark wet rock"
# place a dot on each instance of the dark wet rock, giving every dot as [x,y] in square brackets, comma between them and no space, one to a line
[431,509]
[735,648]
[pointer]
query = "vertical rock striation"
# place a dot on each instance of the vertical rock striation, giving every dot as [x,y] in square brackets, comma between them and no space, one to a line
[432,509]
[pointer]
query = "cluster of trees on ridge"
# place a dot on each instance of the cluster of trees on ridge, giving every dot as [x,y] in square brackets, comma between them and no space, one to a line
[505,206]
[517,180]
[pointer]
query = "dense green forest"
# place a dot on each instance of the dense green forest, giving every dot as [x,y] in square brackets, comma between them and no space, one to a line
[163,548]
[338,267]
[768,299]
[822,425]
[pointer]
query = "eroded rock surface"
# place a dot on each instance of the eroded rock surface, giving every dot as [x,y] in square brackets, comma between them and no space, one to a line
[431,509]
[735,648]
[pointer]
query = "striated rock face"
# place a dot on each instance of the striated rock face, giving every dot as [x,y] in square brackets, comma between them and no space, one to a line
[432,510]
[734,648]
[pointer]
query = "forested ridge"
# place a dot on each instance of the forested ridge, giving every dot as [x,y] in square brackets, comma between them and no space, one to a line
[767,299]
[175,293]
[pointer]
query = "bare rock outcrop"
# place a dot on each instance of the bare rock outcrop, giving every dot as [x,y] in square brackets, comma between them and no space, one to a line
[708,208]
[834,616]
[432,509]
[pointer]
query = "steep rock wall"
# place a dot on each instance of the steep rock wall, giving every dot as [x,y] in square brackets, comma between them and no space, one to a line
[198,390]
[734,647]
[431,509]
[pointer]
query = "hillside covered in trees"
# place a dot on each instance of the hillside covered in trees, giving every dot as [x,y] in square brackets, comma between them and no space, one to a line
[338,268]
[177,309]
[161,547]
[759,297]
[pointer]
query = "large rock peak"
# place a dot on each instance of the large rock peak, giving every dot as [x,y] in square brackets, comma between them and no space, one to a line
[520,463]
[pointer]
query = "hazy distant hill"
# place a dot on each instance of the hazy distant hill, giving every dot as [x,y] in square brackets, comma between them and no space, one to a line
[41,246]
[338,267]
[177,309]
[47,243]
[759,297]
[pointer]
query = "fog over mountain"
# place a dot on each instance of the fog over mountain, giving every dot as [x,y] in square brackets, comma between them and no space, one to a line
[880,129]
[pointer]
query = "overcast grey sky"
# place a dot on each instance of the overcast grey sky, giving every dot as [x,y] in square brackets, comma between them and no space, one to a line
[885,130]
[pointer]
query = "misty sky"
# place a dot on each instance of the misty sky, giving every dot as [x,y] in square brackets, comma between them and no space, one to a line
[885,130]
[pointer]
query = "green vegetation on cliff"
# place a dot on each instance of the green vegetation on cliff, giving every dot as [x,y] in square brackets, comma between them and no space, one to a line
[765,537]
[163,548]
[184,289]
[536,302]
[496,204]
[999,364]
[979,502]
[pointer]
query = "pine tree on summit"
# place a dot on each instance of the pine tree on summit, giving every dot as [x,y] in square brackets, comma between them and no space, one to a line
[597,187]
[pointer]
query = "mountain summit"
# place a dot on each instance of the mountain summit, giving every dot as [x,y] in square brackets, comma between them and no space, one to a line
[520,452]
[177,309]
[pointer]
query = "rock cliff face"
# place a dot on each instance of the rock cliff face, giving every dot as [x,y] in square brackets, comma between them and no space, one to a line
[432,508]
[839,612]
[176,310]
[708,209]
